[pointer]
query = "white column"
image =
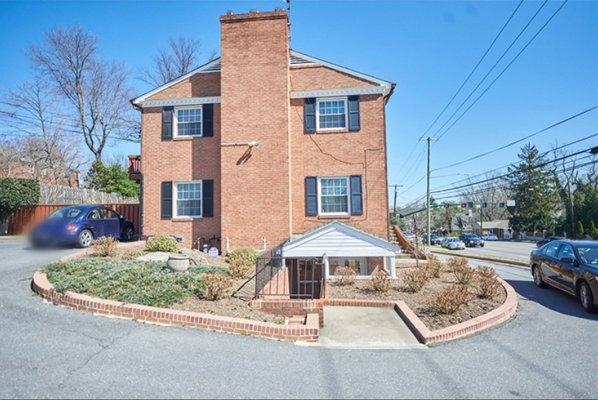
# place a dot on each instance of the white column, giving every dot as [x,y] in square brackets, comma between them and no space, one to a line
[326,267]
[393,266]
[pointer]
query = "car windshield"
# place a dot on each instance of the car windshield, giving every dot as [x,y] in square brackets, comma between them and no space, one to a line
[66,213]
[588,254]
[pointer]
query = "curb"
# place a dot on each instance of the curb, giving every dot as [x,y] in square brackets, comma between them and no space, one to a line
[309,332]
[518,263]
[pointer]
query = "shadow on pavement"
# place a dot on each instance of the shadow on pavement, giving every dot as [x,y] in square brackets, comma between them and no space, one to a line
[551,298]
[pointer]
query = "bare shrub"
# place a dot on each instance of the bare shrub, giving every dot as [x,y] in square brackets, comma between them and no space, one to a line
[448,301]
[345,276]
[464,273]
[488,287]
[434,267]
[455,262]
[216,285]
[415,279]
[380,281]
[104,246]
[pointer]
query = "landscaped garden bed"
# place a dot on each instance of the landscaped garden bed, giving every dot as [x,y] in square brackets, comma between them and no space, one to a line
[441,294]
[113,273]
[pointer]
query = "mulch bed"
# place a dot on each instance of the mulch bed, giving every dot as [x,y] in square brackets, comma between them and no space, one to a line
[361,289]
[228,307]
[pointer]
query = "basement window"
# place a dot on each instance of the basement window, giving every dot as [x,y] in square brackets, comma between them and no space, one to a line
[188,121]
[331,114]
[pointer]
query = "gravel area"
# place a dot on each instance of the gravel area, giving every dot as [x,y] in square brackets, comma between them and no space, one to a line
[418,302]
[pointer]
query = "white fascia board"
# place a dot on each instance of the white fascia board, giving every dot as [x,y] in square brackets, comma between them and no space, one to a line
[188,101]
[300,94]
[348,71]
[181,78]
[333,252]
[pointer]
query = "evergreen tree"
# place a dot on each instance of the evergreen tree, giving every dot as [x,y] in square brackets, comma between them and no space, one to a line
[111,179]
[533,188]
[580,230]
[593,230]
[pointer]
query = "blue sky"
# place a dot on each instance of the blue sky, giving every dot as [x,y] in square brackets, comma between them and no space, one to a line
[427,48]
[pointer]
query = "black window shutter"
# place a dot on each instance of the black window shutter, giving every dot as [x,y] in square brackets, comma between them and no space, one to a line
[356,195]
[309,115]
[208,120]
[167,122]
[354,123]
[311,196]
[166,203]
[207,201]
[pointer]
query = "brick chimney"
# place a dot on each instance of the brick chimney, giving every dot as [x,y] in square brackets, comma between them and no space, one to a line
[255,147]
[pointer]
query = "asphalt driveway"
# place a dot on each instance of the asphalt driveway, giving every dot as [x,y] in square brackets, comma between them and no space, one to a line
[549,350]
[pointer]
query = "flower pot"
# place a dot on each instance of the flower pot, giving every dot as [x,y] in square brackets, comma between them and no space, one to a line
[178,262]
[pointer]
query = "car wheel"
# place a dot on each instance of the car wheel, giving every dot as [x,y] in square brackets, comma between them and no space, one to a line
[538,277]
[129,233]
[85,238]
[585,297]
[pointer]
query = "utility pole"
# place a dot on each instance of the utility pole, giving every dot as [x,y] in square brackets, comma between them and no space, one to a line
[428,194]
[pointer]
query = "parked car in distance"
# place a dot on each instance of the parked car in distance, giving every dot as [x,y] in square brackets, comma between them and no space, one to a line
[490,237]
[409,235]
[568,265]
[471,240]
[547,239]
[453,243]
[80,225]
[434,238]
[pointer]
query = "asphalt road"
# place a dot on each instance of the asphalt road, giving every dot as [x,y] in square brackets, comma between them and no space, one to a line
[511,250]
[549,350]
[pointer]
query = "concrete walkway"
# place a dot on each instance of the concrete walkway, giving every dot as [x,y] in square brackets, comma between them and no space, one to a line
[365,328]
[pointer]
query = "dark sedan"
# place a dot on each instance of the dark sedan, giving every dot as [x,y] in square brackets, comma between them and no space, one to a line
[568,265]
[547,239]
[471,240]
[80,225]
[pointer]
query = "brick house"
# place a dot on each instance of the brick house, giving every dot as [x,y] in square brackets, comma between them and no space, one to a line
[263,143]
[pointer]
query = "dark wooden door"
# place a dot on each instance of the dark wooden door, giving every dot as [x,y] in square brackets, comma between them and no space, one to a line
[305,278]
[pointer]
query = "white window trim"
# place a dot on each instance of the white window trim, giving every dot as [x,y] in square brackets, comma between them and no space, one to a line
[323,99]
[320,212]
[175,213]
[175,120]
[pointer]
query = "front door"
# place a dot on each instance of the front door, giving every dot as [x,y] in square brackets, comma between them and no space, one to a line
[305,278]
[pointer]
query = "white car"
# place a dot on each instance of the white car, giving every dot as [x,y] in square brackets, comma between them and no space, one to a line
[490,237]
[453,243]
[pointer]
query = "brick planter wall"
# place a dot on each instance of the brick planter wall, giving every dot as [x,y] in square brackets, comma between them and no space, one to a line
[309,332]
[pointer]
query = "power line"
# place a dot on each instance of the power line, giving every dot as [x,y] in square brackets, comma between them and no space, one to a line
[503,71]
[513,164]
[473,70]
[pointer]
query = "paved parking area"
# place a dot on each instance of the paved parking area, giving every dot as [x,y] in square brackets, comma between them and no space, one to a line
[365,328]
[519,251]
[548,351]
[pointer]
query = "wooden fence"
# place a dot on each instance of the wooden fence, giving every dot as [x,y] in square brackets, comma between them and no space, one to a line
[24,219]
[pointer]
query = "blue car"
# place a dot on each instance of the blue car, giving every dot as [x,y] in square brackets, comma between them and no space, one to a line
[80,225]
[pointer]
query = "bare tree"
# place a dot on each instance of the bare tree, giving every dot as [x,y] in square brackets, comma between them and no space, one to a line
[96,91]
[181,55]
[43,145]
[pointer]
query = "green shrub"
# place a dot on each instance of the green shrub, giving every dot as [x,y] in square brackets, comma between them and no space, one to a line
[128,281]
[164,243]
[132,254]
[104,246]
[242,262]
[17,193]
[216,285]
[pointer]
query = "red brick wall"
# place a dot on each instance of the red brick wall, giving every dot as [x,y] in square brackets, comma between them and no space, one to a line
[346,153]
[313,78]
[198,85]
[255,104]
[178,160]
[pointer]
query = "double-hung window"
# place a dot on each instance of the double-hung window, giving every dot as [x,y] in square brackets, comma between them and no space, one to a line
[333,195]
[188,121]
[331,113]
[187,199]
